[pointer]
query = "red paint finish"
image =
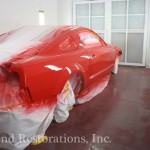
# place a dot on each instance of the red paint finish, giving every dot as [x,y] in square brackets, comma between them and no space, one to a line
[44,69]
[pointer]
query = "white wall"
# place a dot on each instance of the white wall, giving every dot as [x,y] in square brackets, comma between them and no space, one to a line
[16,13]
[64,12]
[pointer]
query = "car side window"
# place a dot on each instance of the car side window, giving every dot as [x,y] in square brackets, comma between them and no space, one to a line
[68,44]
[89,38]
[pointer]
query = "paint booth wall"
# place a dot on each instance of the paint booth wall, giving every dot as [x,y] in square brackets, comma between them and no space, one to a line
[64,12]
[17,13]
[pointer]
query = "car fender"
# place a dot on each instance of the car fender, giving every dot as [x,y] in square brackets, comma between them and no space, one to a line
[44,80]
[67,73]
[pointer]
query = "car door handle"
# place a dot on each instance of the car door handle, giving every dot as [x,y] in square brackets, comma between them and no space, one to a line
[93,56]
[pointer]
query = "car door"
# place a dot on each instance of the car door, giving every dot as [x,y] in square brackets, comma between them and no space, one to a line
[99,54]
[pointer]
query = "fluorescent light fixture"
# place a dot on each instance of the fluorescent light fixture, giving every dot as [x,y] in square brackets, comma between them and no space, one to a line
[41,17]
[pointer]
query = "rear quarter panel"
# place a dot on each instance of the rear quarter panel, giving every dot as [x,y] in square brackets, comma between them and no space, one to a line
[45,76]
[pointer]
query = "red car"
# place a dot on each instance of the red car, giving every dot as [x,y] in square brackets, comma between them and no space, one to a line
[59,53]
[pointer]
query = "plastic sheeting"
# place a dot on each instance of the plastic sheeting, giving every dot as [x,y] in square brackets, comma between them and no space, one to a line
[65,102]
[9,90]
[16,42]
[18,128]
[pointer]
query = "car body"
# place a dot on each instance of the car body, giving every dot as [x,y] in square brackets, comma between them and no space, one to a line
[44,68]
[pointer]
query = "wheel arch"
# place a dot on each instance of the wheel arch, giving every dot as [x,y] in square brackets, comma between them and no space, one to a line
[71,71]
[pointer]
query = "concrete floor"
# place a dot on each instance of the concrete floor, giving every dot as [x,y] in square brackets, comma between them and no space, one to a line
[121,112]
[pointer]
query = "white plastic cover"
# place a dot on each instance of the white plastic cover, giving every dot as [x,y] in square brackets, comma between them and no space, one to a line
[65,102]
[18,127]
[20,40]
